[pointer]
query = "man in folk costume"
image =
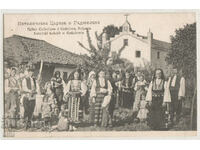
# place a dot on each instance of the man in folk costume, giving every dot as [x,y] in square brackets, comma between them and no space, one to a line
[101,92]
[11,98]
[29,91]
[177,91]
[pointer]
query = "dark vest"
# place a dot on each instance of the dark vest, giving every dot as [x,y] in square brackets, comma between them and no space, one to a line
[158,90]
[177,83]
[28,81]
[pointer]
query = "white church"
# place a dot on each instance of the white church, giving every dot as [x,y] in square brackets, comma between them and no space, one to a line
[139,49]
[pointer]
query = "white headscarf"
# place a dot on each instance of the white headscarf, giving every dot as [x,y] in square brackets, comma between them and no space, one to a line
[91,73]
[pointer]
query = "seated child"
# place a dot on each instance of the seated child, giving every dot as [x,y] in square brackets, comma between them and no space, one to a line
[63,124]
[143,111]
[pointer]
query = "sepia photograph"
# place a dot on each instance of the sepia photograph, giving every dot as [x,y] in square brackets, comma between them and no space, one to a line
[100,74]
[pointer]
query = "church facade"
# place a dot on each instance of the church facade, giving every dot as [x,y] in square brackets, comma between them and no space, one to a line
[140,50]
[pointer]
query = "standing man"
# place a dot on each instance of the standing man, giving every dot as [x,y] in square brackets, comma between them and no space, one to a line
[177,91]
[29,90]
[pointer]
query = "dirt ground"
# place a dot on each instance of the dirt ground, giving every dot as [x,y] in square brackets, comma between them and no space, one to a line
[124,121]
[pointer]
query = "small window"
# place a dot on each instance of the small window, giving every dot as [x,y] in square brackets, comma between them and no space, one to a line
[125,42]
[138,54]
[158,55]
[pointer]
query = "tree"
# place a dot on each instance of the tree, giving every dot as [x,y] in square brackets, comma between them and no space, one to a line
[183,56]
[100,55]
[183,50]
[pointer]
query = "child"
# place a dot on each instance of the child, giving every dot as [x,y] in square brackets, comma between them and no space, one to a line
[140,88]
[143,111]
[46,113]
[48,105]
[63,124]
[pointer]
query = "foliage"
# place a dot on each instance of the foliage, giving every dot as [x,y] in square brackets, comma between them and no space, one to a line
[183,50]
[111,31]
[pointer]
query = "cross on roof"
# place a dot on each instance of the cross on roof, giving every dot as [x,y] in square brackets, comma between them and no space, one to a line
[126,15]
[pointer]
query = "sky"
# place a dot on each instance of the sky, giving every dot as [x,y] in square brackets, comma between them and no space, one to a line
[162,25]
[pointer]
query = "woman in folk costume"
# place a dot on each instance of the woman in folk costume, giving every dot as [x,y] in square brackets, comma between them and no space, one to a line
[73,91]
[57,83]
[101,92]
[140,88]
[85,98]
[113,80]
[128,91]
[91,79]
[158,97]
[11,98]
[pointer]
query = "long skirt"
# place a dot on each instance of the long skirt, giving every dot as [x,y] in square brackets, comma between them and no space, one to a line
[98,109]
[106,117]
[156,115]
[127,99]
[75,113]
[136,104]
[11,108]
[59,96]
[91,111]
[38,105]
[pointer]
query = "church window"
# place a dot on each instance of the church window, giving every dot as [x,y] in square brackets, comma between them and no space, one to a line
[125,42]
[158,55]
[138,54]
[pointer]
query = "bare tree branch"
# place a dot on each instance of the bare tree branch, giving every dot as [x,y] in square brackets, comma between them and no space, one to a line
[84,47]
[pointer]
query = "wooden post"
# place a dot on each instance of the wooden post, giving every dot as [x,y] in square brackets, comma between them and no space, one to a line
[40,72]
[192,108]
[39,77]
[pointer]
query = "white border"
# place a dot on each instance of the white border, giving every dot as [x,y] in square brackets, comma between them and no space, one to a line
[108,11]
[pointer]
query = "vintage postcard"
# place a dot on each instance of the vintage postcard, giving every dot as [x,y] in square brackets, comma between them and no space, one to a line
[96,75]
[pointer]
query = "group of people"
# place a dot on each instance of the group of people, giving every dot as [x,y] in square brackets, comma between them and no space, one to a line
[94,99]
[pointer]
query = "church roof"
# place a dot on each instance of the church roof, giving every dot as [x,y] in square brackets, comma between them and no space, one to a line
[161,45]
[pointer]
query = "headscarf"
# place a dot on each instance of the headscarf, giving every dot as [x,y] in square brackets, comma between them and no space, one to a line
[91,73]
[89,82]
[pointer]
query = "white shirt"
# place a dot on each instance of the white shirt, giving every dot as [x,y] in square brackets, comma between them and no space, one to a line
[166,97]
[174,81]
[181,91]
